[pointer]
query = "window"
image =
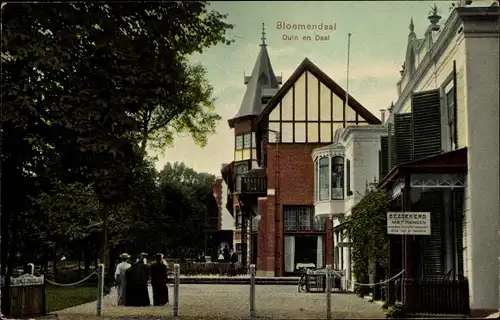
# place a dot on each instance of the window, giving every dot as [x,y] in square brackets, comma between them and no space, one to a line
[239,142]
[348,176]
[316,193]
[247,141]
[239,218]
[265,100]
[298,219]
[337,178]
[323,183]
[304,219]
[451,119]
[245,147]
[240,170]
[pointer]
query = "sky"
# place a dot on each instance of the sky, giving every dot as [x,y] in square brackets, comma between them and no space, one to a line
[378,45]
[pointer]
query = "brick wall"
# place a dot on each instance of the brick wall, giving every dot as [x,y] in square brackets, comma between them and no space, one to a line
[296,187]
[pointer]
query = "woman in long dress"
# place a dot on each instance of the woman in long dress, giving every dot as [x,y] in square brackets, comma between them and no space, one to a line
[159,272]
[120,278]
[137,284]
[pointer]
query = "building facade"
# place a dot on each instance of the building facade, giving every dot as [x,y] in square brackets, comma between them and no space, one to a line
[441,151]
[344,171]
[273,172]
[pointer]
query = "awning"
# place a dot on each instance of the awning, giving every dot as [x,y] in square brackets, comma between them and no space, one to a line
[453,162]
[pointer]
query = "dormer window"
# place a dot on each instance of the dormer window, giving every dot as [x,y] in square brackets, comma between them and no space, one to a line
[265,100]
[263,80]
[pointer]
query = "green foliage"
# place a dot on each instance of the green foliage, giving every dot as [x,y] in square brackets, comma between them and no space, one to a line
[396,311]
[85,86]
[366,227]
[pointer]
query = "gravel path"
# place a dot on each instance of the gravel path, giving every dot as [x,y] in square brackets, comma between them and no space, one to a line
[231,302]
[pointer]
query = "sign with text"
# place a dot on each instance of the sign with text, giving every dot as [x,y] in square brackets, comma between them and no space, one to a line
[409,223]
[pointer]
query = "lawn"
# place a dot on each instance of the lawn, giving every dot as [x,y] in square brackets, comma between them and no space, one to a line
[58,298]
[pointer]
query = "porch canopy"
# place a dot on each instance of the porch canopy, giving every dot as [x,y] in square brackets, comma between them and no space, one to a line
[445,170]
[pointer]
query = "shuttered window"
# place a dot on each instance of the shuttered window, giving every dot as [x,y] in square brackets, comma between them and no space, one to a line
[433,245]
[383,157]
[403,138]
[391,147]
[426,114]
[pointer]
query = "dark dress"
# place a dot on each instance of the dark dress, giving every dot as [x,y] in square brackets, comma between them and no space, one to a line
[137,285]
[159,284]
[225,253]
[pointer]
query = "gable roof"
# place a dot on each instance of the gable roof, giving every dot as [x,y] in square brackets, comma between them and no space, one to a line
[307,65]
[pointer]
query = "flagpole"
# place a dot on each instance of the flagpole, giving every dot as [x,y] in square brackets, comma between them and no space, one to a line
[346,104]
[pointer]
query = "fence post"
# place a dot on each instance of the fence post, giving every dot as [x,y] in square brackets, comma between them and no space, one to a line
[328,290]
[100,288]
[175,309]
[252,290]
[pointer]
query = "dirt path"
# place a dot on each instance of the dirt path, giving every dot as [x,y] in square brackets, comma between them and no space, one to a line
[231,302]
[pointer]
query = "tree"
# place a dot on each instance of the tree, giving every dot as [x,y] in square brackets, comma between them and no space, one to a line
[183,212]
[367,229]
[78,82]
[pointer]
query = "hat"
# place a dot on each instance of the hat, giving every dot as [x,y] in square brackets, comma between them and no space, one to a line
[160,255]
[124,256]
[144,254]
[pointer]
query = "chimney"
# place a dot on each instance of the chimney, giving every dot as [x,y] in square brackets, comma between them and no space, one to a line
[382,115]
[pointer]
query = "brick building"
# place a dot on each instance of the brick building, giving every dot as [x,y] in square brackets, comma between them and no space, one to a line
[271,179]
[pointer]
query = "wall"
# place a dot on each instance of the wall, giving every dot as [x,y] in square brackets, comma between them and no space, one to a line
[296,187]
[227,221]
[474,46]
[439,72]
[482,216]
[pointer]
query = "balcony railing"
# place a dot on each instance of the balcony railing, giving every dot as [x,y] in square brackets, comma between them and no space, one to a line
[254,185]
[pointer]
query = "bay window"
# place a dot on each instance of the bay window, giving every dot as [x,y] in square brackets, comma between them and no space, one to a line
[323,179]
[329,178]
[337,178]
[245,147]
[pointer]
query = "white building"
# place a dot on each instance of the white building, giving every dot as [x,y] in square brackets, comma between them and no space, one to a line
[455,66]
[467,45]
[355,152]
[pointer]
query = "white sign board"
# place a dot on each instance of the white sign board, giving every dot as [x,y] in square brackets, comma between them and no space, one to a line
[409,223]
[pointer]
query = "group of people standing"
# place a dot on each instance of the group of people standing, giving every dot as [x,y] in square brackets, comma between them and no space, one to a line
[229,255]
[132,281]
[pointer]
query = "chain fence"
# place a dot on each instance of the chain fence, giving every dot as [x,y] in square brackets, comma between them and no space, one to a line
[94,273]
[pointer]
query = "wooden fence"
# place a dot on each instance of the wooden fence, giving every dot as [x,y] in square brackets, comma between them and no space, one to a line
[437,296]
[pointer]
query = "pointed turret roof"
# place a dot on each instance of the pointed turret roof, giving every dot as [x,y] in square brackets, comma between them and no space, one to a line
[262,77]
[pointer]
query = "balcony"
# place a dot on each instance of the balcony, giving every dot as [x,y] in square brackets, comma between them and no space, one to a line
[256,185]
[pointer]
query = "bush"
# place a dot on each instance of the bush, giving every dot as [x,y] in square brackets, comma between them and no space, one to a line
[396,311]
